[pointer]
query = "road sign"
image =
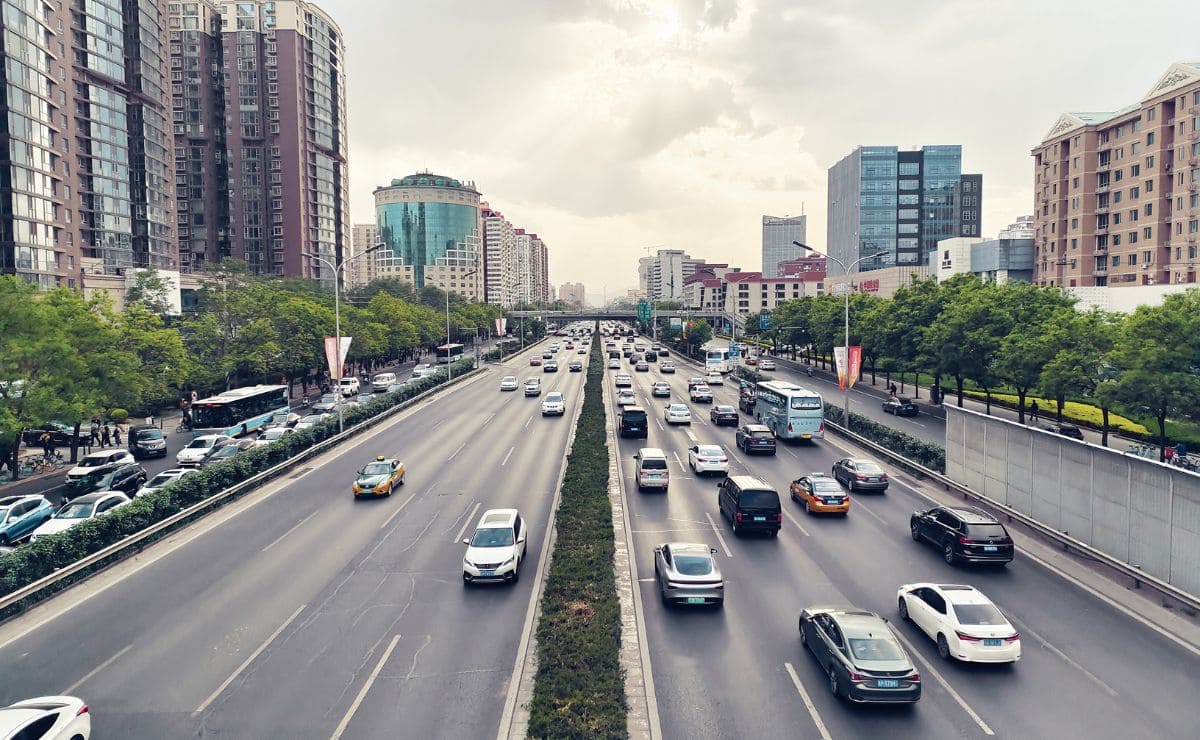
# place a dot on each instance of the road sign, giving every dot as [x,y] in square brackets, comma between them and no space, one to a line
[643,310]
[764,320]
[734,352]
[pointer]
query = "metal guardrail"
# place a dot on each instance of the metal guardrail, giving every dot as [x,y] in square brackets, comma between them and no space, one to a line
[135,539]
[1192,601]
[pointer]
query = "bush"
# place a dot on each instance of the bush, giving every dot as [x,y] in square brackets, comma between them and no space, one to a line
[119,416]
[579,690]
[1073,411]
[918,450]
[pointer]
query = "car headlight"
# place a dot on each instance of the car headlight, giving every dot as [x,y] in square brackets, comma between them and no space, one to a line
[509,561]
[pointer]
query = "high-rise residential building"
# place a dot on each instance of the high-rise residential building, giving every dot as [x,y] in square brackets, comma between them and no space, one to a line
[433,224]
[900,203]
[539,270]
[572,294]
[778,233]
[362,270]
[661,277]
[285,102]
[501,270]
[1117,194]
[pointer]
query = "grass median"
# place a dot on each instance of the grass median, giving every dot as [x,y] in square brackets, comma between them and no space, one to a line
[579,690]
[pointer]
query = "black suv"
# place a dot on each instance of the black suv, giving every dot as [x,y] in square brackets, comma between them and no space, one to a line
[633,422]
[147,440]
[963,533]
[59,432]
[747,401]
[124,477]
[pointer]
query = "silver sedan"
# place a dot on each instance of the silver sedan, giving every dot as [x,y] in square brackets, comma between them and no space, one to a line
[687,573]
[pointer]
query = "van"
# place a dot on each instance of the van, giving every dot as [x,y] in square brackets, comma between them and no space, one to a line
[380,382]
[633,422]
[614,354]
[651,468]
[750,504]
[348,386]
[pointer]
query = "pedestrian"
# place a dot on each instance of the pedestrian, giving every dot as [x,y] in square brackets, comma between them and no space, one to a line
[1033,411]
[105,436]
[95,432]
[47,442]
[117,434]
[892,388]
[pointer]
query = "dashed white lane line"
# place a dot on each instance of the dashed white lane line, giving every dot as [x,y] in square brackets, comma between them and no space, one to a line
[455,453]
[717,532]
[294,527]
[466,523]
[488,420]
[691,435]
[678,459]
[237,672]
[506,456]
[399,509]
[797,523]
[71,689]
[912,650]
[660,424]
[1025,630]
[527,423]
[808,703]
[362,693]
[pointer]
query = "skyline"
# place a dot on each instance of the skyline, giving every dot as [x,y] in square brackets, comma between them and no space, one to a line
[608,127]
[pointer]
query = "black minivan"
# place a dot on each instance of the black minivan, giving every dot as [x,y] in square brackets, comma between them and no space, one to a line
[633,422]
[750,504]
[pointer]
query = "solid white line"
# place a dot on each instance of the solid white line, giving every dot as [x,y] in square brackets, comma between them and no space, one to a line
[362,693]
[677,459]
[505,460]
[867,510]
[246,663]
[71,689]
[1025,630]
[285,534]
[466,522]
[945,684]
[717,532]
[455,453]
[812,708]
[796,522]
[659,423]
[399,509]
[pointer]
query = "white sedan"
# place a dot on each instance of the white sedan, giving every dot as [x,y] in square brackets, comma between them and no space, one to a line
[677,413]
[766,364]
[714,378]
[623,380]
[963,622]
[47,718]
[626,397]
[708,459]
[165,478]
[79,510]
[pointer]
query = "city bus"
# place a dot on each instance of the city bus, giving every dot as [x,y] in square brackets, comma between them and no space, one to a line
[791,411]
[716,357]
[448,353]
[240,410]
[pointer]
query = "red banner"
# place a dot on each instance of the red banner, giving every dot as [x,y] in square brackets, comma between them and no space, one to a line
[855,364]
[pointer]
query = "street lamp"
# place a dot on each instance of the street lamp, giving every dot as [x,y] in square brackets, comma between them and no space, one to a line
[846,270]
[337,317]
[449,370]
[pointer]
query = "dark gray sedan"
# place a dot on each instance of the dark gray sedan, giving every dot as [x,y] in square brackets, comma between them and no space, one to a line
[860,657]
[687,573]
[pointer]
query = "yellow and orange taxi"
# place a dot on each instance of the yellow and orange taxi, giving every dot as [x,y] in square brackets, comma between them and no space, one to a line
[820,494]
[379,478]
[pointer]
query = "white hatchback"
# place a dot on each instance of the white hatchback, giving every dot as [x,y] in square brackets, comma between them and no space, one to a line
[708,459]
[963,622]
[47,718]
[714,378]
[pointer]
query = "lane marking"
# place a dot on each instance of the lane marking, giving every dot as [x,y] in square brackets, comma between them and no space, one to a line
[1025,630]
[362,693]
[510,452]
[455,453]
[246,663]
[660,424]
[71,689]
[808,703]
[691,435]
[866,509]
[435,426]
[488,420]
[399,509]
[467,522]
[945,684]
[285,534]
[677,459]
[733,454]
[717,532]
[795,521]
[526,426]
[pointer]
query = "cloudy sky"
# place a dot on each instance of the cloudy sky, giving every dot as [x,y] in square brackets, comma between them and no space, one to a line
[609,126]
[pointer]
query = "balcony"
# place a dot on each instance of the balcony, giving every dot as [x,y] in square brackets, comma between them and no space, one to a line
[1102,209]
[1102,188]
[1101,229]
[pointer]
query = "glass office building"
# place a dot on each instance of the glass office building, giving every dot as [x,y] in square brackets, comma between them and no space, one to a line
[429,220]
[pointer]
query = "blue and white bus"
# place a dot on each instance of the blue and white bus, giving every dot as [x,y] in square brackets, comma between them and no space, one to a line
[448,353]
[791,411]
[240,410]
[716,358]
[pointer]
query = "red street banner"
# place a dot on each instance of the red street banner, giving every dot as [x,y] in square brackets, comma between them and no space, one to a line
[848,367]
[855,363]
[336,364]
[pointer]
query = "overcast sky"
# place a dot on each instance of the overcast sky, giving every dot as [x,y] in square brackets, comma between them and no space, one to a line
[608,126]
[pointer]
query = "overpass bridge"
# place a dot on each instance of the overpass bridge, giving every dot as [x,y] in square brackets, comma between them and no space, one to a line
[629,315]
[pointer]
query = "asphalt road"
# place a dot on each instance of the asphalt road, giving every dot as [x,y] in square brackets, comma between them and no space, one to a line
[1087,669]
[307,612]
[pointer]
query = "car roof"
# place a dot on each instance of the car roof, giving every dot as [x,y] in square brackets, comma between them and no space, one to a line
[860,623]
[971,515]
[749,481]
[13,500]
[957,593]
[724,407]
[756,428]
[91,498]
[497,518]
[651,452]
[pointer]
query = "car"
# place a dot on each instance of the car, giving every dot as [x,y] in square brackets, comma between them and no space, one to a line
[535,361]
[964,623]
[687,573]
[554,404]
[755,438]
[751,359]
[550,366]
[200,446]
[623,380]
[575,366]
[651,357]
[570,345]
[901,406]
[724,415]
[677,413]
[652,469]
[660,390]
[766,364]
[750,503]
[307,422]
[378,477]
[394,387]
[274,434]
[325,404]
[747,400]
[364,398]
[820,494]
[641,366]
[21,515]
[708,459]
[61,434]
[626,397]
[79,510]
[422,369]
[286,420]
[348,386]
[163,479]
[533,387]
[550,355]
[146,440]
[614,363]
[46,718]
[627,351]
[963,533]
[93,460]
[667,367]
[583,350]
[632,422]
[381,381]
[508,383]
[714,378]
[700,394]
[125,477]
[664,352]
[860,474]
[862,660]
[496,550]
[1066,430]
[693,382]
[227,452]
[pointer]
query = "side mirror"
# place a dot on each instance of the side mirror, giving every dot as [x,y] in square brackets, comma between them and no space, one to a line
[521,538]
[466,541]
[712,550]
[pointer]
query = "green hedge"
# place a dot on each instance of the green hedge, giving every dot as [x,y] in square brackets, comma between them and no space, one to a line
[918,450]
[35,560]
[508,345]
[579,690]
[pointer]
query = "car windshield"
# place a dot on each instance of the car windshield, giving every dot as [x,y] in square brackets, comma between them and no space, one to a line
[875,648]
[509,379]
[801,403]
[693,565]
[75,511]
[824,485]
[312,418]
[761,433]
[200,443]
[635,416]
[273,434]
[978,614]
[377,468]
[161,480]
[551,398]
[678,408]
[708,450]
[146,434]
[492,537]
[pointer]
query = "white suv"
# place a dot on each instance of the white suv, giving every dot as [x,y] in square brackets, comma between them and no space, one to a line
[348,386]
[554,405]
[496,550]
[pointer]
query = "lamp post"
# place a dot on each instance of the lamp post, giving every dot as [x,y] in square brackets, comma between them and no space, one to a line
[846,269]
[337,317]
[449,365]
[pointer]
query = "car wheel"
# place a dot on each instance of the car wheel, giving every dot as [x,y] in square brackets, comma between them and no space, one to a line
[915,530]
[834,685]
[943,647]
[903,606]
[733,523]
[808,506]
[948,553]
[803,637]
[402,480]
[3,540]
[850,486]
[466,579]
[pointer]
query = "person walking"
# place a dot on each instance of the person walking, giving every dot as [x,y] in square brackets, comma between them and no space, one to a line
[117,435]
[95,432]
[105,436]
[1033,411]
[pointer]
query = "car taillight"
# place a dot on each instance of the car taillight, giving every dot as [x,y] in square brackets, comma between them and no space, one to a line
[883,476]
[914,678]
[82,710]
[779,518]
[861,477]
[739,516]
[966,637]
[857,677]
[966,541]
[822,429]
[1013,637]
[789,426]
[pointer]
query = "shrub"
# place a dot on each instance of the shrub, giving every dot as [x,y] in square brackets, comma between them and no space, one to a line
[919,451]
[119,416]
[1073,411]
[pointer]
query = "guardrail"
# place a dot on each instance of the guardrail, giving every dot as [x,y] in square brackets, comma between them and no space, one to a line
[1068,543]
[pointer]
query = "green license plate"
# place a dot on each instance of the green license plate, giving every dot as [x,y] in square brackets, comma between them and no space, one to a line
[695,600]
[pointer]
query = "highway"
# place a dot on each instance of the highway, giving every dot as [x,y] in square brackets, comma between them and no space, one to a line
[305,613]
[1087,669]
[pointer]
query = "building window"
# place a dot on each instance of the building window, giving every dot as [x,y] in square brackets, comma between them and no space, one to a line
[1133,237]
[1148,233]
[1116,260]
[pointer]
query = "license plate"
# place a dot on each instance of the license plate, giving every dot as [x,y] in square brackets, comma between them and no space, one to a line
[887,683]
[487,573]
[991,643]
[760,519]
[833,501]
[695,600]
[653,477]
[805,436]
[874,479]
[990,548]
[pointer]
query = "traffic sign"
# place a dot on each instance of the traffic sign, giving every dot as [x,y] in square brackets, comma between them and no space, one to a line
[764,320]
[643,310]
[734,352]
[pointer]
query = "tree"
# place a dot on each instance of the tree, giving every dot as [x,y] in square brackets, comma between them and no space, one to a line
[698,332]
[1034,340]
[967,333]
[1080,344]
[150,290]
